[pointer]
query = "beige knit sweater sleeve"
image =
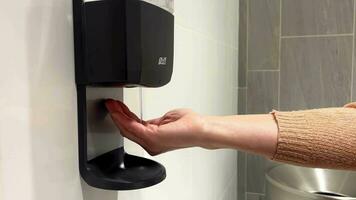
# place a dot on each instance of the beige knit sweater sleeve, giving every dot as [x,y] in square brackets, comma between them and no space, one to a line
[323,138]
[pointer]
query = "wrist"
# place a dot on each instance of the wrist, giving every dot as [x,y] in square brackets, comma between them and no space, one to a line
[210,132]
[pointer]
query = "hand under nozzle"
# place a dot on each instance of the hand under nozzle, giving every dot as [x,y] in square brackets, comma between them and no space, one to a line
[177,129]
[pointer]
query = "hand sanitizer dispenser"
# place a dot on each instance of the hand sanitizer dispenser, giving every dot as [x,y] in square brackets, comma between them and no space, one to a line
[118,43]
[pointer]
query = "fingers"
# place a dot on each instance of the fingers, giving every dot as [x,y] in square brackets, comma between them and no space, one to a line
[164,119]
[131,128]
[128,112]
[112,106]
[126,121]
[124,118]
[117,106]
[121,121]
[155,121]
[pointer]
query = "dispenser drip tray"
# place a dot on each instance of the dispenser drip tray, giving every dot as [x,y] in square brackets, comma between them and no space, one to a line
[117,170]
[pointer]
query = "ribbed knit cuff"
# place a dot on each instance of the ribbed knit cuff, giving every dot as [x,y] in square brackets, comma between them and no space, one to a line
[317,138]
[293,137]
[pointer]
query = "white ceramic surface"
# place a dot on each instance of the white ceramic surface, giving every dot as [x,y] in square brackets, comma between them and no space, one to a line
[38,130]
[204,79]
[165,4]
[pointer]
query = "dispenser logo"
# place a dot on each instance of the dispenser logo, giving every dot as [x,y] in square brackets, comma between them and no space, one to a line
[162,61]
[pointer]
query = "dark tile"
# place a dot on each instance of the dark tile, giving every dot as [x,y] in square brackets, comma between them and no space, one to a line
[256,166]
[306,17]
[262,91]
[242,101]
[263,34]
[354,76]
[243,43]
[254,196]
[354,85]
[315,72]
[241,176]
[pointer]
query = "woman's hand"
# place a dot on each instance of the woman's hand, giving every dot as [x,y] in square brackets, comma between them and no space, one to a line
[184,128]
[177,129]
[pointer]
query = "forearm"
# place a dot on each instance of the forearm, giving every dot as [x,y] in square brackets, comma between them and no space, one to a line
[323,138]
[252,133]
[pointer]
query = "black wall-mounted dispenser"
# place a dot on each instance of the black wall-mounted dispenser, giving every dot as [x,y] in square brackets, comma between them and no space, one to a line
[117,43]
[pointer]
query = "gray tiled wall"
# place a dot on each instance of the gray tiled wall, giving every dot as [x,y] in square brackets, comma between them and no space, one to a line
[294,54]
[263,34]
[306,17]
[262,92]
[315,72]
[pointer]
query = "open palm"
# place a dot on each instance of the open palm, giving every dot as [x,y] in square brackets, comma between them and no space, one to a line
[179,128]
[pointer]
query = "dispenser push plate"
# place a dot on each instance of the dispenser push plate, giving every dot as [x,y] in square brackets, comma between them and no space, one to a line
[103,135]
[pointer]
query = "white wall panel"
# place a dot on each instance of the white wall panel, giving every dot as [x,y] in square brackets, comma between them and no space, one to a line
[38,129]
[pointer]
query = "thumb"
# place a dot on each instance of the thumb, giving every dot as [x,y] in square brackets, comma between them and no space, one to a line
[351,105]
[131,126]
[120,122]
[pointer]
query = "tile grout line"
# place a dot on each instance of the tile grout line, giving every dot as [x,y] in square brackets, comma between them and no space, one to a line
[246,74]
[316,36]
[246,100]
[256,193]
[263,70]
[247,53]
[245,176]
[353,54]
[279,55]
[238,93]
